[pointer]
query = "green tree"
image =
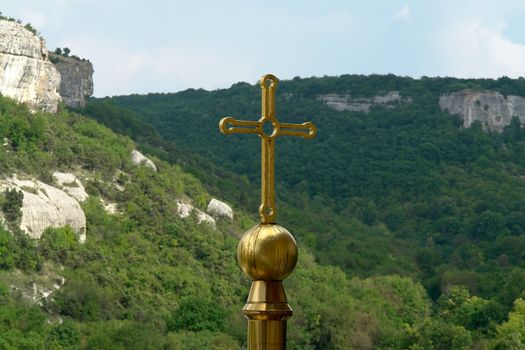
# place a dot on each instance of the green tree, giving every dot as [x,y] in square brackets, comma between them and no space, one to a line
[11,205]
[511,334]
[7,249]
[64,336]
[437,334]
[58,244]
[197,314]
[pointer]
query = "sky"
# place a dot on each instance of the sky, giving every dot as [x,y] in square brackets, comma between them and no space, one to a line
[141,46]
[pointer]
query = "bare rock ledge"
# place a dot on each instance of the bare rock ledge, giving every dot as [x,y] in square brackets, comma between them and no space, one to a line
[493,110]
[46,206]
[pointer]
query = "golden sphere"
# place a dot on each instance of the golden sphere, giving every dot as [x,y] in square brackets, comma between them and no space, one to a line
[267,252]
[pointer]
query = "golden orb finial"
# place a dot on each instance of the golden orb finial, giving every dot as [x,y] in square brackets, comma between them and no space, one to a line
[267,252]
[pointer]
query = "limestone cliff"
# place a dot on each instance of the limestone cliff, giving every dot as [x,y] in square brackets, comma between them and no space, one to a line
[493,110]
[26,75]
[76,79]
[46,206]
[362,104]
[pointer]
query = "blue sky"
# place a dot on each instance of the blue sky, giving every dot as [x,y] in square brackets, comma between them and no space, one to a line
[140,46]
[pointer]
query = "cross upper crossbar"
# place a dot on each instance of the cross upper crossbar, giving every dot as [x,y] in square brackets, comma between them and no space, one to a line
[230,125]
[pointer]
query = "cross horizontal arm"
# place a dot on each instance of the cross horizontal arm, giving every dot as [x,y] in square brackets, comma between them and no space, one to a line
[268,128]
[306,130]
[231,125]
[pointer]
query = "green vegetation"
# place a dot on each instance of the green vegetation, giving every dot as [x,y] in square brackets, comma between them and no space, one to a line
[410,228]
[11,202]
[63,52]
[11,19]
[147,279]
[398,191]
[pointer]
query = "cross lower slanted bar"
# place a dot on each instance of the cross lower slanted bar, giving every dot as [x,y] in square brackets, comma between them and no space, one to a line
[230,125]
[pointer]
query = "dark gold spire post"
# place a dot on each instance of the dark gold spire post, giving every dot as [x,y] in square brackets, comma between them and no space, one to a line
[267,252]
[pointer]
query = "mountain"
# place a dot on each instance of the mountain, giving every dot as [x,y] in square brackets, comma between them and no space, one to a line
[147,275]
[393,183]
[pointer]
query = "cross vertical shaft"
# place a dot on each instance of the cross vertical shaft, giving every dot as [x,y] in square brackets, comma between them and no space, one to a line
[267,209]
[230,125]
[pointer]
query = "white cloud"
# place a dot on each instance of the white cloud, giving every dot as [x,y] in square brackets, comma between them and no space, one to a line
[42,15]
[471,48]
[125,70]
[403,14]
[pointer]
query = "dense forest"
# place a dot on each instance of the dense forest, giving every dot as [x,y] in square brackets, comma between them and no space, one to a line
[402,191]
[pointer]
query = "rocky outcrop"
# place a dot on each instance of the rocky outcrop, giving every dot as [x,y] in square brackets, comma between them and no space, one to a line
[26,75]
[139,159]
[39,292]
[70,184]
[218,208]
[109,207]
[362,104]
[203,217]
[184,210]
[493,110]
[46,206]
[215,207]
[38,287]
[76,79]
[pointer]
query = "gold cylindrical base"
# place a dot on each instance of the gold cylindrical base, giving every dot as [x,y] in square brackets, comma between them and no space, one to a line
[266,335]
[267,311]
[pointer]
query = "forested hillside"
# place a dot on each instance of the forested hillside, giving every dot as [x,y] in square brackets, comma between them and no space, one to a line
[402,189]
[148,279]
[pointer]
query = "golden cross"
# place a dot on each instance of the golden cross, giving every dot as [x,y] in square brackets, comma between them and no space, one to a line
[229,125]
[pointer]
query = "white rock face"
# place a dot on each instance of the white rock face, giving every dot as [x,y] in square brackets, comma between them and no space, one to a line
[490,108]
[185,209]
[69,183]
[203,217]
[109,207]
[26,75]
[139,159]
[219,208]
[361,104]
[46,206]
